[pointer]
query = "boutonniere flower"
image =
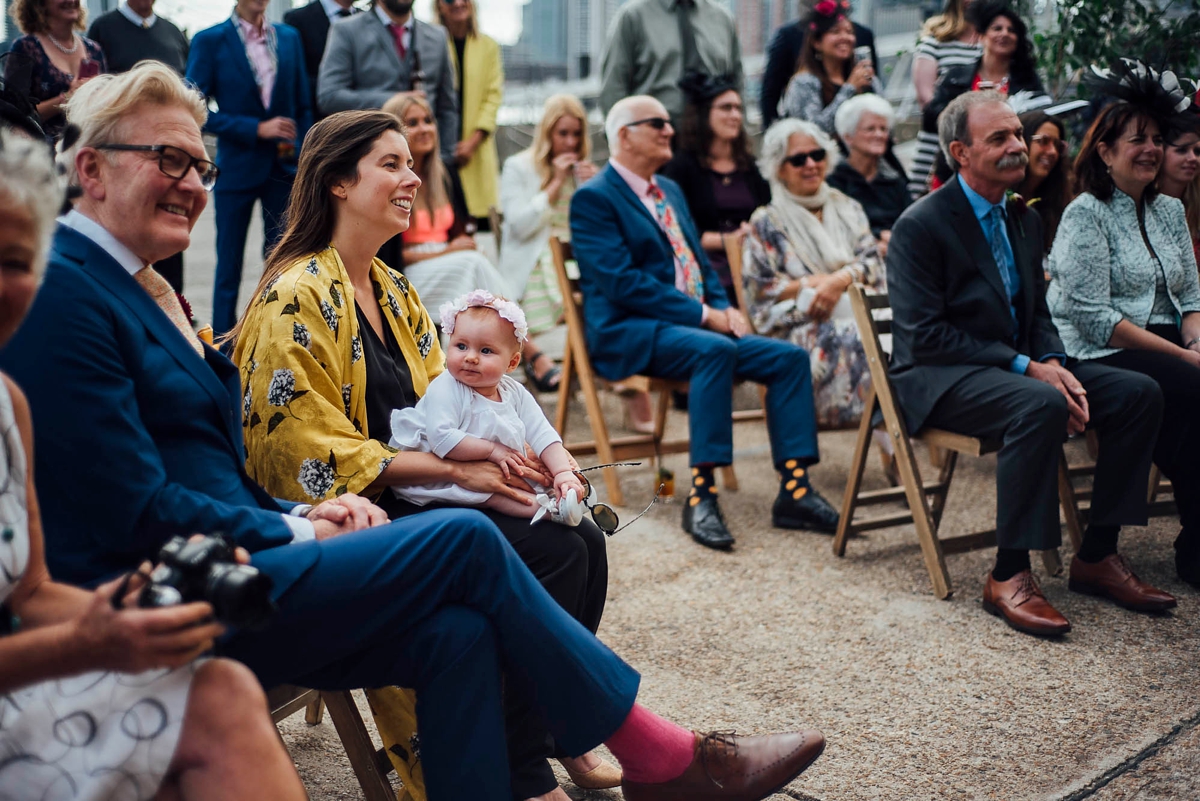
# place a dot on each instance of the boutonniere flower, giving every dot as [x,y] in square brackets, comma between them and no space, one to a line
[1018,204]
[187,308]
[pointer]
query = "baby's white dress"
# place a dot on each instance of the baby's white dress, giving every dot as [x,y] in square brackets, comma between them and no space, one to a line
[99,736]
[450,411]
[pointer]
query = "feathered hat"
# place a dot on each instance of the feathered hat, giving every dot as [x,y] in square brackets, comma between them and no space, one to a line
[1161,94]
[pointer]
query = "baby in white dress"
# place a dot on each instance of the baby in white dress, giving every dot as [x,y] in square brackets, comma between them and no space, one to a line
[474,411]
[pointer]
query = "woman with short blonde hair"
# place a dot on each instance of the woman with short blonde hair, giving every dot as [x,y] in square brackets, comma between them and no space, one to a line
[535,195]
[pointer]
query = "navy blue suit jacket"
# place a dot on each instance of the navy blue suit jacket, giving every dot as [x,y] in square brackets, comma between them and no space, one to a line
[627,272]
[218,65]
[137,439]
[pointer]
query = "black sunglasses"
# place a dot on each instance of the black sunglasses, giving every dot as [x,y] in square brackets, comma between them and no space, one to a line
[174,162]
[800,159]
[657,123]
[603,515]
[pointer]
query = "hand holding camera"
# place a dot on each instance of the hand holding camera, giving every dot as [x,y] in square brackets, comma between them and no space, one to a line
[208,569]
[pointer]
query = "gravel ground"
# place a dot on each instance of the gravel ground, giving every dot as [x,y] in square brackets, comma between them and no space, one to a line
[919,698]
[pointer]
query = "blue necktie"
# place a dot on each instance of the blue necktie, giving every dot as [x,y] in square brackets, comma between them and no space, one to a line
[1008,271]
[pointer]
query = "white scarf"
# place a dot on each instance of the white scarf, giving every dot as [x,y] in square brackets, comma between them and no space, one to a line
[824,245]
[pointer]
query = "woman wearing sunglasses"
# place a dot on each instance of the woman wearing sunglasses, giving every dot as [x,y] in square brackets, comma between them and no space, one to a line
[804,251]
[1047,184]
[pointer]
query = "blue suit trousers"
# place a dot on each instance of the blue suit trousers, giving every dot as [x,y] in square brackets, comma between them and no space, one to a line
[440,602]
[233,211]
[712,362]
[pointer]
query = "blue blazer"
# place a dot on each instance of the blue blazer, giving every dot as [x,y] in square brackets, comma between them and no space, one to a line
[137,439]
[218,65]
[627,272]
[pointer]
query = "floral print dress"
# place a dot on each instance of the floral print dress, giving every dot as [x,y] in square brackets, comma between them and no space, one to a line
[841,376]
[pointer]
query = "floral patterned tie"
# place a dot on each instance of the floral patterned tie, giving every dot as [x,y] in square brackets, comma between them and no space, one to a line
[693,281]
[164,295]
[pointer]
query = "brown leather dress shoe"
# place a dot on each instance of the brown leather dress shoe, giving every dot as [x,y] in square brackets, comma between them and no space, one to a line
[1021,603]
[1112,578]
[731,768]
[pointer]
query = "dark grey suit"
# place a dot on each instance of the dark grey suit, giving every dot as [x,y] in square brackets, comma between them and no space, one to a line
[361,69]
[953,345]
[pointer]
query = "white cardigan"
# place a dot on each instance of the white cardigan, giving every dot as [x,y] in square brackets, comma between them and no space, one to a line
[526,228]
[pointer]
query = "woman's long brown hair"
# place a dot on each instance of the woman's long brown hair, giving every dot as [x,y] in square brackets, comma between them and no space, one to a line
[330,155]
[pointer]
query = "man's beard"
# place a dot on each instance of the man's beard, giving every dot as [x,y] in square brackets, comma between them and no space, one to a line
[397,7]
[1013,160]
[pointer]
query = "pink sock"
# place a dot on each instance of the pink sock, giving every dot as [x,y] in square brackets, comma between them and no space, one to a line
[650,749]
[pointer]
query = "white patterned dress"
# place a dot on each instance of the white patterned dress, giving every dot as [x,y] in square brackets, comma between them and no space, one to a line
[88,737]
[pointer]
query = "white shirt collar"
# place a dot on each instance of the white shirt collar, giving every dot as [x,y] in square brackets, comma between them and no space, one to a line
[136,18]
[82,224]
[332,8]
[387,21]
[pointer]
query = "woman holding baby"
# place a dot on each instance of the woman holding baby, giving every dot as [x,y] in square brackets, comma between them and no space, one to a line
[335,342]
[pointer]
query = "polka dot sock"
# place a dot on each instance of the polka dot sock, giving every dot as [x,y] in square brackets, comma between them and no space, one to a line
[703,484]
[794,479]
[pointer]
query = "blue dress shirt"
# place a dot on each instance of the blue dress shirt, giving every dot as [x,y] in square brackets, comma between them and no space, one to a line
[1008,270]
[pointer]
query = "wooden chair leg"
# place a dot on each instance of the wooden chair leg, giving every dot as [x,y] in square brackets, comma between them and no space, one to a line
[862,447]
[1069,503]
[1052,561]
[931,547]
[604,452]
[945,473]
[728,477]
[314,711]
[566,374]
[359,748]
[1152,490]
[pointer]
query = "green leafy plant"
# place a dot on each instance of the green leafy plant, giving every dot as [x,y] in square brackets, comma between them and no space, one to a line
[1162,32]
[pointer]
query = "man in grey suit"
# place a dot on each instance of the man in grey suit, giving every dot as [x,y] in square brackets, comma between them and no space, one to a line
[372,57]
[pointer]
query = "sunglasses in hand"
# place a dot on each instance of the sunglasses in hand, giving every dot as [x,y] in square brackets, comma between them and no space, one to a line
[603,515]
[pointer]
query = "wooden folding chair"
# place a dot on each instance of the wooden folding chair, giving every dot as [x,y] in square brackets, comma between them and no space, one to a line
[371,765]
[578,365]
[925,501]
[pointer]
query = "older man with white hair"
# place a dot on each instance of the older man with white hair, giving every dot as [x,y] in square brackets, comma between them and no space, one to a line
[655,306]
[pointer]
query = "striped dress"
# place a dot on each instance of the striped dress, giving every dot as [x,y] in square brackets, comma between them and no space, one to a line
[947,55]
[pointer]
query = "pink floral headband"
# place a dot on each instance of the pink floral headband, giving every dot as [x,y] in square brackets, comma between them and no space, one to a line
[481,298]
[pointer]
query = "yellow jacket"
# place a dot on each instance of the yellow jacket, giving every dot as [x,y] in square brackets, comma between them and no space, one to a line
[482,92]
[304,377]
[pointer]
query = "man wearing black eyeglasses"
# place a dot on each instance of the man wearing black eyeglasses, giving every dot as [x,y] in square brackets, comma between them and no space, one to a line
[655,306]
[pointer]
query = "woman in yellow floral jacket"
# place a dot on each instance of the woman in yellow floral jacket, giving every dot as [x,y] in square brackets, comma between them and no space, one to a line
[332,342]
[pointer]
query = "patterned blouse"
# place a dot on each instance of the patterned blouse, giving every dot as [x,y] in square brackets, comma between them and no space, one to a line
[803,99]
[1104,273]
[304,377]
[841,376]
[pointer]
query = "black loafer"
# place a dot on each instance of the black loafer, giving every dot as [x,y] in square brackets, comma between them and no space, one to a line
[811,512]
[706,524]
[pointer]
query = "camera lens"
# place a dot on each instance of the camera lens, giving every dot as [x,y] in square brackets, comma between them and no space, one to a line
[240,595]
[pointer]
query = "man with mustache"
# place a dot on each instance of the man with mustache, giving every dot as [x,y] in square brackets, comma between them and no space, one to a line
[372,57]
[975,352]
